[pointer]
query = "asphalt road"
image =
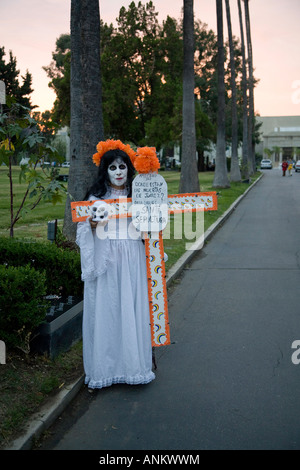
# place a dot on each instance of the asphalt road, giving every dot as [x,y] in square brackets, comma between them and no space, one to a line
[227,381]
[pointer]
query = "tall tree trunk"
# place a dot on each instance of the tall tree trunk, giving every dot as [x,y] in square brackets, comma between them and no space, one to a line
[245,166]
[251,90]
[235,173]
[86,127]
[189,181]
[221,178]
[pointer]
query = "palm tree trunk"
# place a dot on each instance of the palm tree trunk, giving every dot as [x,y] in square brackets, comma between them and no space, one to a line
[86,127]
[189,181]
[235,173]
[251,89]
[221,178]
[245,168]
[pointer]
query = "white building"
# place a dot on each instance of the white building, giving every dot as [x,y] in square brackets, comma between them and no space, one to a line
[281,133]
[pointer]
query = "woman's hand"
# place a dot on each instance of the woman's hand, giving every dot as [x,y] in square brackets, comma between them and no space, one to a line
[100,212]
[93,224]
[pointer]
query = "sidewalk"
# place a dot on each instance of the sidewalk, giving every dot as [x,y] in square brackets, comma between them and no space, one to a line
[42,420]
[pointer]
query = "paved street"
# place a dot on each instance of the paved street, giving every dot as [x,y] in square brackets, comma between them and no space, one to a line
[227,381]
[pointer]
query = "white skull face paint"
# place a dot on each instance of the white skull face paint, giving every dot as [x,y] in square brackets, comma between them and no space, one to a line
[117,172]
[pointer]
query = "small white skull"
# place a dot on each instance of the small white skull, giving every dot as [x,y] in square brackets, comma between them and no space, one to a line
[100,212]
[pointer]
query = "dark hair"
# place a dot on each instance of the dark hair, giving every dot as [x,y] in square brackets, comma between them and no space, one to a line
[101,185]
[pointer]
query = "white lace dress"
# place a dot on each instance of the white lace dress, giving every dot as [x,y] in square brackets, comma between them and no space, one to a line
[116,322]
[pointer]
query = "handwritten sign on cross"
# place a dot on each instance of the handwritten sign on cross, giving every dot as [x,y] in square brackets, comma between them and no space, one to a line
[149,202]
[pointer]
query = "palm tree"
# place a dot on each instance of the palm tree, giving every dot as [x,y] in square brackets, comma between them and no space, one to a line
[245,158]
[251,122]
[268,152]
[296,153]
[221,178]
[235,173]
[189,181]
[86,127]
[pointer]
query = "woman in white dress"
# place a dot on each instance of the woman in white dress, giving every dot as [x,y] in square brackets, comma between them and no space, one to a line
[116,321]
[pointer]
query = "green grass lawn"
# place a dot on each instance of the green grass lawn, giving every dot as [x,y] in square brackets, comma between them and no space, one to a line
[26,382]
[34,223]
[31,224]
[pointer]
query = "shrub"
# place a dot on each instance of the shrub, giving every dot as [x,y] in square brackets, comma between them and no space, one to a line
[62,267]
[22,304]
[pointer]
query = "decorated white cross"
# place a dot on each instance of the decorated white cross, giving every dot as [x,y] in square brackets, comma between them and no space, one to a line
[149,208]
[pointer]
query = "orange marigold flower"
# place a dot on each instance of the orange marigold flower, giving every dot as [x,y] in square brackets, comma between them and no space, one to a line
[146,160]
[111,144]
[96,158]
[132,155]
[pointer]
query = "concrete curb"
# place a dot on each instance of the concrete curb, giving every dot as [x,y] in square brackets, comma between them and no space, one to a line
[43,419]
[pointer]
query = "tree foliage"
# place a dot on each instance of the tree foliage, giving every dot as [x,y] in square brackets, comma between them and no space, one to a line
[141,73]
[10,75]
[22,140]
[59,73]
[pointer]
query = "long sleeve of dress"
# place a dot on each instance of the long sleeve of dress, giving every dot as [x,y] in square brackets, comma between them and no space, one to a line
[85,241]
[94,251]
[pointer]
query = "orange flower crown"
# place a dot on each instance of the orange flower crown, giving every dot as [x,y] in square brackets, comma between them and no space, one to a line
[146,160]
[110,144]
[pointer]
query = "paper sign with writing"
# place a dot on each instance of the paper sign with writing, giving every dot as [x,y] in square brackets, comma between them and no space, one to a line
[149,208]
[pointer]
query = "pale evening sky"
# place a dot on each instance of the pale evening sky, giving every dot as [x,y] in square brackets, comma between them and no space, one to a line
[30,28]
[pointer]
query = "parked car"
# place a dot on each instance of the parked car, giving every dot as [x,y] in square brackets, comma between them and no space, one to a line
[266,164]
[65,165]
[297,166]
